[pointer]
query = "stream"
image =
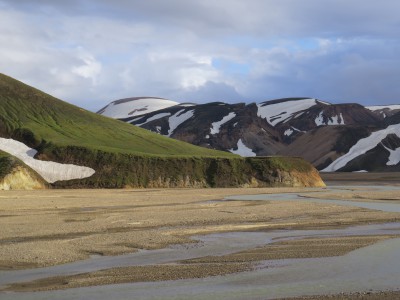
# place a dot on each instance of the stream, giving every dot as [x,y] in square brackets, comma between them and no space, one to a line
[376,267]
[388,206]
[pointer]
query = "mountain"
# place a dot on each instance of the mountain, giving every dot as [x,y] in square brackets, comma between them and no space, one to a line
[384,110]
[71,147]
[316,130]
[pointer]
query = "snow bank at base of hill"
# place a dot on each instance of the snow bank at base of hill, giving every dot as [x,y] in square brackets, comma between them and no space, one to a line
[50,171]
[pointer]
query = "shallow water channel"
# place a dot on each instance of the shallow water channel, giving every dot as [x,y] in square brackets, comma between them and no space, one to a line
[375,267]
[389,206]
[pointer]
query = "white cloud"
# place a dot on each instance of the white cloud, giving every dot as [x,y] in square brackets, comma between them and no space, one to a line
[90,68]
[91,53]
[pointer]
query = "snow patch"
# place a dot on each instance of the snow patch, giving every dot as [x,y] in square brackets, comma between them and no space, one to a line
[282,112]
[288,132]
[342,119]
[242,149]
[323,102]
[298,115]
[207,136]
[234,125]
[136,119]
[298,130]
[334,120]
[124,109]
[178,118]
[155,117]
[364,145]
[378,107]
[319,120]
[215,127]
[360,171]
[49,170]
[394,157]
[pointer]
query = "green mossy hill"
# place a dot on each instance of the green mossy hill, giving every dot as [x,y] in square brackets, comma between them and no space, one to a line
[41,121]
[14,174]
[127,156]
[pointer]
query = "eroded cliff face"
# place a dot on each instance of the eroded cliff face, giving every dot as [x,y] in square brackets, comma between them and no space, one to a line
[21,178]
[284,172]
[127,171]
[300,179]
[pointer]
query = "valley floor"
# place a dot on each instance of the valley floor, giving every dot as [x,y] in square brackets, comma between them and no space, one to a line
[52,227]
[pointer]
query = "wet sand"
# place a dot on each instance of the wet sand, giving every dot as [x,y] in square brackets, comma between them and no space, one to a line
[205,266]
[384,295]
[44,228]
[361,178]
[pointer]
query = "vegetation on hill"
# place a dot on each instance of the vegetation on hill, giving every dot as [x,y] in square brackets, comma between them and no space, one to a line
[43,121]
[6,164]
[127,156]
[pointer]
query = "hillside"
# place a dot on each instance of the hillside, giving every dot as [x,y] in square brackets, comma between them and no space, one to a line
[34,117]
[316,130]
[102,152]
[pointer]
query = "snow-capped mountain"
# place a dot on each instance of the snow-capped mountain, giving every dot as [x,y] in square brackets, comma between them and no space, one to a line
[129,107]
[316,130]
[385,110]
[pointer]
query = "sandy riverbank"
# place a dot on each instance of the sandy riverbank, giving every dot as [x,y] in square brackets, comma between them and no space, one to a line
[43,228]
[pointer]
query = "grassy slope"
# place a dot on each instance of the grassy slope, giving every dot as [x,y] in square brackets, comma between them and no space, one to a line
[62,124]
[122,154]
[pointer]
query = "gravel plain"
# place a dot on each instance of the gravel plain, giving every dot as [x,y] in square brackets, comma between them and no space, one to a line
[51,227]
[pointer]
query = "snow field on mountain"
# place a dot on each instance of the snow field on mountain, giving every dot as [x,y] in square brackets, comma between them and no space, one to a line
[283,111]
[155,117]
[136,107]
[215,127]
[378,107]
[50,171]
[319,120]
[394,157]
[364,145]
[178,118]
[242,149]
[288,132]
[334,120]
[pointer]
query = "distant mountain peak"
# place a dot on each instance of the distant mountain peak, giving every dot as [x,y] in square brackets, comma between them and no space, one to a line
[135,106]
[314,129]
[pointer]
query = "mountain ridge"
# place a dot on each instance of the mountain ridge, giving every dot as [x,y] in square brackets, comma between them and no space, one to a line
[286,126]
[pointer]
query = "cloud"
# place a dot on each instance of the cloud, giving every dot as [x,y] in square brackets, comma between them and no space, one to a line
[90,68]
[254,17]
[92,52]
[337,71]
[210,92]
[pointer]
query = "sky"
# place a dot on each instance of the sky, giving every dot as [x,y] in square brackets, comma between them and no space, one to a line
[91,52]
